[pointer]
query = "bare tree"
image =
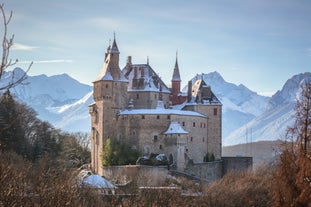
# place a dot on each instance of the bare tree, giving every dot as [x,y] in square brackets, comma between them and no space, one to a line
[7,43]
[293,178]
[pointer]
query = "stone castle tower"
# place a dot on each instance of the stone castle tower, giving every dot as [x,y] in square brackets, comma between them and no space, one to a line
[135,105]
[110,96]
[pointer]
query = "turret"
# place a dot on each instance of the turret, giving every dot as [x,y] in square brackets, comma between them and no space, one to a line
[176,79]
[175,93]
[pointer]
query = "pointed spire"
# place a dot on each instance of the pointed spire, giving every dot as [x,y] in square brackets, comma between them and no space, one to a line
[114,47]
[176,75]
[176,62]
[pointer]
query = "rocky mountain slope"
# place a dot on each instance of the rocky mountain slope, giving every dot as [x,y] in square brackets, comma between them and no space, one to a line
[272,123]
[60,99]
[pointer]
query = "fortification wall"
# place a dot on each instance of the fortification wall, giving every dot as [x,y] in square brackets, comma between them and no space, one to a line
[236,163]
[209,171]
[145,131]
[141,175]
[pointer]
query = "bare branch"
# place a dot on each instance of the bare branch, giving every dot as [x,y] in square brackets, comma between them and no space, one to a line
[6,46]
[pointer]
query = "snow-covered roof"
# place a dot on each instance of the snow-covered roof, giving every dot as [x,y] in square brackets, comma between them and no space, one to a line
[98,182]
[160,111]
[175,128]
[107,76]
[105,73]
[143,78]
[201,94]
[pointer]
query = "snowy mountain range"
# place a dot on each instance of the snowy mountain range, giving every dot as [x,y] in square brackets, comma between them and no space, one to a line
[240,105]
[272,123]
[59,99]
[247,116]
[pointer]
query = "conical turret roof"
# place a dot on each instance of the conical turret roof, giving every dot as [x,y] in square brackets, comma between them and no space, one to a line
[176,75]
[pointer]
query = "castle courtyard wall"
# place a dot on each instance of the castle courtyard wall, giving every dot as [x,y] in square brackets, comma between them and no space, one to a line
[145,132]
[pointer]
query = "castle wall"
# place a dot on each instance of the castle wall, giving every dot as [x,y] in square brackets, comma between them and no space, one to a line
[145,132]
[236,163]
[214,113]
[141,175]
[209,171]
[110,97]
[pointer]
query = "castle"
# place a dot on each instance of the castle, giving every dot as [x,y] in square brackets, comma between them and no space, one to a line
[136,106]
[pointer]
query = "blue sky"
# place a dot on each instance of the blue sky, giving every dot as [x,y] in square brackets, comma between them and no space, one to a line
[260,43]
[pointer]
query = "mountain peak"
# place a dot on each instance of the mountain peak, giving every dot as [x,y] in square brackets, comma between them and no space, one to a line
[215,76]
[289,91]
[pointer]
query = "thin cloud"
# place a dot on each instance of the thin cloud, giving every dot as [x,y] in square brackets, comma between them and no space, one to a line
[18,46]
[46,61]
[105,23]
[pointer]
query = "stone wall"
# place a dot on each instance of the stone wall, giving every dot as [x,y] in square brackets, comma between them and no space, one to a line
[141,175]
[209,171]
[212,171]
[214,114]
[236,163]
[153,176]
[145,132]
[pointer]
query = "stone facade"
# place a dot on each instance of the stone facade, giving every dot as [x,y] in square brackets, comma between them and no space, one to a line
[135,105]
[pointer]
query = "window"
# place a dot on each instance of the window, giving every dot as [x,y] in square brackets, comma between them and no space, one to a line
[158,117]
[143,116]
[191,139]
[160,147]
[183,123]
[215,111]
[193,124]
[107,85]
[203,139]
[96,117]
[137,96]
[155,138]
[168,117]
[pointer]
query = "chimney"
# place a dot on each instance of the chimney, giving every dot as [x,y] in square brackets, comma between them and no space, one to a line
[129,61]
[189,97]
[135,72]
[128,65]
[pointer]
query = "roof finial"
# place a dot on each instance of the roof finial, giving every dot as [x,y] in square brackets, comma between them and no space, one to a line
[176,62]
[114,35]
[147,60]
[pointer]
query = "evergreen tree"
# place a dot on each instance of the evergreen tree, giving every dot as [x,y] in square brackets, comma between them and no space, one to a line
[12,121]
[118,153]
